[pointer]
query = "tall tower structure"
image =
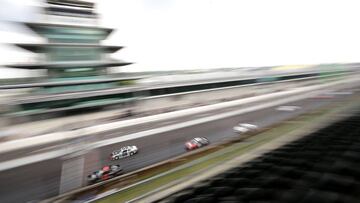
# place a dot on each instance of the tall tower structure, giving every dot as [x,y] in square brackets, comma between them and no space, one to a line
[75,60]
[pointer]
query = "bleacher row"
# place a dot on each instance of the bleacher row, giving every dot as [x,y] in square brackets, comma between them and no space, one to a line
[323,167]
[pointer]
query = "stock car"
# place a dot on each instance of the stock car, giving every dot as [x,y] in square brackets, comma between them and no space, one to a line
[245,128]
[124,152]
[196,142]
[288,108]
[105,173]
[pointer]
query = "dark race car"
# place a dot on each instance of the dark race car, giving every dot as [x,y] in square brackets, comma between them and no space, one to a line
[107,172]
[196,143]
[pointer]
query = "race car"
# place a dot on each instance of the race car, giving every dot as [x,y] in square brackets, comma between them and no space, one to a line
[105,173]
[196,143]
[288,108]
[123,152]
[245,128]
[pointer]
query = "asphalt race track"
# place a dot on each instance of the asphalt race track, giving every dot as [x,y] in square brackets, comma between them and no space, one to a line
[41,180]
[321,167]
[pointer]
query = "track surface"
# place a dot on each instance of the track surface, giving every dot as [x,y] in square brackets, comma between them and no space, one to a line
[41,180]
[321,167]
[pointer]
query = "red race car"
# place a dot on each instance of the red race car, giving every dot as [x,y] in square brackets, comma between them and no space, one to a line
[196,143]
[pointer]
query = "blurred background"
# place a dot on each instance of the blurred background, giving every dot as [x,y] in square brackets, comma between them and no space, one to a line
[84,80]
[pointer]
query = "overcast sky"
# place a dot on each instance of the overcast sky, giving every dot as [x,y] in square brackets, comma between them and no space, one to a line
[192,34]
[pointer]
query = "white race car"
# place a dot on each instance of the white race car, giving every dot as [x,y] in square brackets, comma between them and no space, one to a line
[245,128]
[124,152]
[288,108]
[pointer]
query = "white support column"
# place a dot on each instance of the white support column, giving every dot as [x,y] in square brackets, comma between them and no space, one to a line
[71,174]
